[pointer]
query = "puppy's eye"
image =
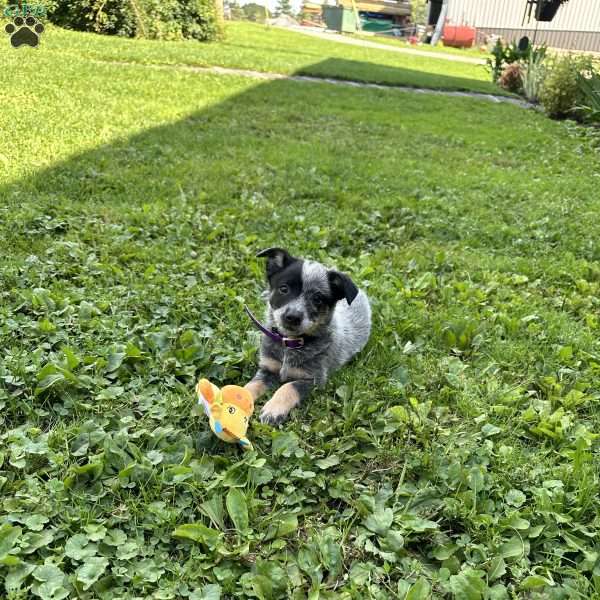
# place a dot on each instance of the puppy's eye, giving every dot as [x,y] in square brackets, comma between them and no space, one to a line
[231,410]
[284,289]
[318,300]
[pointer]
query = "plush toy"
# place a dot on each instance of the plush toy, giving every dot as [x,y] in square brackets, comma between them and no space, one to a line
[228,410]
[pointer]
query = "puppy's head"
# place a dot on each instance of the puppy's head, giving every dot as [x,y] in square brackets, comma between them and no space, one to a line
[303,293]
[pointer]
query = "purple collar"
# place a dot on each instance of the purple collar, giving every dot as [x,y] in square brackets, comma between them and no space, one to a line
[292,343]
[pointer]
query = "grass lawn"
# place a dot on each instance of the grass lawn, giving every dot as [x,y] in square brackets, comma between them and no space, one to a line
[253,46]
[456,457]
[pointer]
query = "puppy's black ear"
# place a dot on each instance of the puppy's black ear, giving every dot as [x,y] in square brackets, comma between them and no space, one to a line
[342,286]
[277,260]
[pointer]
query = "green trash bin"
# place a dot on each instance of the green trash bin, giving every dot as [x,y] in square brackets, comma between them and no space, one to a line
[339,19]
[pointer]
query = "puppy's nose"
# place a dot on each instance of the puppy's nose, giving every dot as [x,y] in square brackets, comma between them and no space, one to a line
[292,318]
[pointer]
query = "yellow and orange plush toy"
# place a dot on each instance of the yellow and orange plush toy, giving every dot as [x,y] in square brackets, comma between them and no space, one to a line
[228,410]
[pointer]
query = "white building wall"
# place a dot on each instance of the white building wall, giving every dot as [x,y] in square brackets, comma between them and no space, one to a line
[576,15]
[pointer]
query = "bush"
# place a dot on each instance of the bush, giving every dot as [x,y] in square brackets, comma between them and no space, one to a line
[521,53]
[498,61]
[511,78]
[156,19]
[560,93]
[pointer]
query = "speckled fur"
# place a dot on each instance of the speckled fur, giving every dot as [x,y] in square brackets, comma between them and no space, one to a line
[333,332]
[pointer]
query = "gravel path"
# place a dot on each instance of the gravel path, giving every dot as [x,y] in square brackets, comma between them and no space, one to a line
[326,80]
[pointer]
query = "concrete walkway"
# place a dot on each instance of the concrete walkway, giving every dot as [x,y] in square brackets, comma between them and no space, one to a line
[343,39]
[327,80]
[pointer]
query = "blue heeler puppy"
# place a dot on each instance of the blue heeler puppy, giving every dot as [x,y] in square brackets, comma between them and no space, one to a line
[317,320]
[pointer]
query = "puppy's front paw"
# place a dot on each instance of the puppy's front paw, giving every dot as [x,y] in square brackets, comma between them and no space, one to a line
[279,406]
[272,415]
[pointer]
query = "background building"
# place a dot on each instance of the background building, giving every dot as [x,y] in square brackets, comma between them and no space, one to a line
[576,26]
